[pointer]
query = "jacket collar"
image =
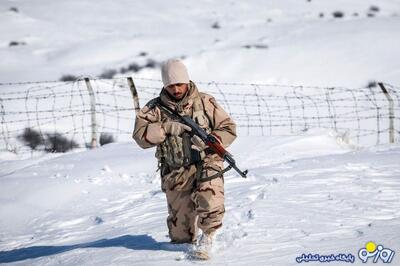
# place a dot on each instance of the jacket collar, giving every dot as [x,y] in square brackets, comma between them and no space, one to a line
[185,103]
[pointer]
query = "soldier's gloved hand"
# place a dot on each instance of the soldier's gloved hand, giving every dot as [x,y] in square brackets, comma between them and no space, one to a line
[198,143]
[175,128]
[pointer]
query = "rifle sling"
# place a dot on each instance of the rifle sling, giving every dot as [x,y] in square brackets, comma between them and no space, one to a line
[209,178]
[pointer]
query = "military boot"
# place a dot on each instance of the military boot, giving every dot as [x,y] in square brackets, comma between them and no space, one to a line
[203,247]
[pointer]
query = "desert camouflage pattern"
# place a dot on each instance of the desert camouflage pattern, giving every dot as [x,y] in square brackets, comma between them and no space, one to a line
[192,204]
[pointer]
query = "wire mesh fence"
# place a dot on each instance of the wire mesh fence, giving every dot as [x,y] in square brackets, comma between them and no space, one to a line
[364,116]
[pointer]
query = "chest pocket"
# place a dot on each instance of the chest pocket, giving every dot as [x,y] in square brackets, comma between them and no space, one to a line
[176,151]
[200,116]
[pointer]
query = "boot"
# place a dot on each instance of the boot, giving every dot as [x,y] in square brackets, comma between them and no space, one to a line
[204,246]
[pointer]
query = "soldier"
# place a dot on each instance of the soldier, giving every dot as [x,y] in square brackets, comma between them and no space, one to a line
[191,173]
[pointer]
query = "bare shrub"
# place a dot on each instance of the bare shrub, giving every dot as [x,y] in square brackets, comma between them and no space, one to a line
[108,74]
[151,63]
[215,25]
[256,46]
[106,138]
[68,77]
[15,43]
[134,67]
[374,9]
[372,84]
[55,142]
[31,138]
[338,14]
[14,9]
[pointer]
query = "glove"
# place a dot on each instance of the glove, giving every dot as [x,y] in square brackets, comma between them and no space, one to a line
[198,143]
[175,128]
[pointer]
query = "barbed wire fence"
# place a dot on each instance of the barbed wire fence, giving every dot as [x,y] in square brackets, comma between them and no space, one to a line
[84,109]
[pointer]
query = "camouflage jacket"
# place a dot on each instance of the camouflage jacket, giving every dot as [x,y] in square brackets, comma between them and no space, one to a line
[148,130]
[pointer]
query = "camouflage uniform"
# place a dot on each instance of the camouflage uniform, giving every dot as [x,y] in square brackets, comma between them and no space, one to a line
[192,203]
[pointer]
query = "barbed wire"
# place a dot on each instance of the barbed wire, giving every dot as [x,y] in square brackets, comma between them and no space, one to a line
[208,83]
[362,114]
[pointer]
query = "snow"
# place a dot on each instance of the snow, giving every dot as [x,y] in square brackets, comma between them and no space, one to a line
[313,192]
[306,193]
[295,45]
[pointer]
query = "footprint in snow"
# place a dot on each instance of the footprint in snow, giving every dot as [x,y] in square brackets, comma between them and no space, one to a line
[107,169]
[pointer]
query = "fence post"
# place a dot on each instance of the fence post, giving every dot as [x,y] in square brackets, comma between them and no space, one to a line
[93,142]
[135,96]
[391,112]
[4,128]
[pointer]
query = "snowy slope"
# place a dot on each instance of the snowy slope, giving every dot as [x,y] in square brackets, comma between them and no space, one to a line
[289,42]
[304,194]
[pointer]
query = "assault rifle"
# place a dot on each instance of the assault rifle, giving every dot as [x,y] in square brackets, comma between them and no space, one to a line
[208,139]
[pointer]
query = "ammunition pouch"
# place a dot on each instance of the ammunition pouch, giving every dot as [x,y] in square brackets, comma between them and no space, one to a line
[175,152]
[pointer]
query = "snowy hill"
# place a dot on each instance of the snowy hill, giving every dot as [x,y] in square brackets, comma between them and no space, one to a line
[287,42]
[304,194]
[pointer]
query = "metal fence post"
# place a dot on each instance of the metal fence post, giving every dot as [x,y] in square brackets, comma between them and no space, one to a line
[391,112]
[93,142]
[135,96]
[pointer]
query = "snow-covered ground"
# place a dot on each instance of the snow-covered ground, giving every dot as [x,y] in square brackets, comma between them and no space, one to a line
[304,194]
[287,42]
[310,193]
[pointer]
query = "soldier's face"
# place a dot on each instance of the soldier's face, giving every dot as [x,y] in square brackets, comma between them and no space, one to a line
[177,91]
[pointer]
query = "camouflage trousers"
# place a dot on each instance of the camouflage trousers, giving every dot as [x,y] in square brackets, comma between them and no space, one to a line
[194,205]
